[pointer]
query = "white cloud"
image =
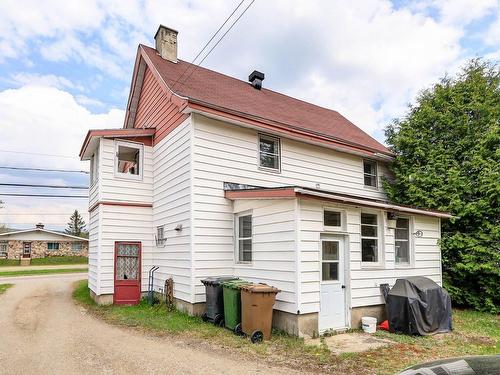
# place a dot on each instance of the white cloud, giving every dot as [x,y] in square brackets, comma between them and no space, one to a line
[47,120]
[51,80]
[462,12]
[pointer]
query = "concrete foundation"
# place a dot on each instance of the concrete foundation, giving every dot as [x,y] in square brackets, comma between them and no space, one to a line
[196,309]
[376,311]
[103,299]
[304,325]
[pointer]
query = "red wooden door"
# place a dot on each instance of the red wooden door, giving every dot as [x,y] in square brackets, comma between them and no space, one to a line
[127,273]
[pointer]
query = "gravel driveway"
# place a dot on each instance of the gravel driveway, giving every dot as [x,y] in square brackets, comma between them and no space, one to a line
[43,332]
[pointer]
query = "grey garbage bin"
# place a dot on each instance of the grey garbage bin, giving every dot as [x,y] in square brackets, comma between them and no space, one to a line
[214,305]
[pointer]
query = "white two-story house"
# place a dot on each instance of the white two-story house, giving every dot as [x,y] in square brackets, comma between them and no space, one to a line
[212,175]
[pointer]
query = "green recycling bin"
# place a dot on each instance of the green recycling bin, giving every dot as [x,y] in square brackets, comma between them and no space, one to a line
[232,304]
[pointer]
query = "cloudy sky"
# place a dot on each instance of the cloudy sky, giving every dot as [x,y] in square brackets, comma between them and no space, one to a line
[65,67]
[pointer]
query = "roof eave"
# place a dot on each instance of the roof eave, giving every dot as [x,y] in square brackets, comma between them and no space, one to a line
[251,121]
[298,192]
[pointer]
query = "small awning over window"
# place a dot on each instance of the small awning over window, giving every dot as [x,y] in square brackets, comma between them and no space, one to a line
[138,135]
[235,192]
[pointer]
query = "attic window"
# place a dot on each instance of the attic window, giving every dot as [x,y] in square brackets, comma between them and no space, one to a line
[128,160]
[370,173]
[269,152]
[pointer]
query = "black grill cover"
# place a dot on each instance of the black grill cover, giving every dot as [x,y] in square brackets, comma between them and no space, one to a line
[418,306]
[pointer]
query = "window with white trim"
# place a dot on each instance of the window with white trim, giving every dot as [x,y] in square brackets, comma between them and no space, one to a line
[369,238]
[160,236]
[94,167]
[269,152]
[76,246]
[244,237]
[52,245]
[402,241]
[370,173]
[4,245]
[128,162]
[332,219]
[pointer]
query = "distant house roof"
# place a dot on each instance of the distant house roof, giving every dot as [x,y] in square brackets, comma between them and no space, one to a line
[209,89]
[44,231]
[234,192]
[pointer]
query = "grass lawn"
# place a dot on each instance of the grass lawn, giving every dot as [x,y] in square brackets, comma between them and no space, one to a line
[4,287]
[47,261]
[474,333]
[40,272]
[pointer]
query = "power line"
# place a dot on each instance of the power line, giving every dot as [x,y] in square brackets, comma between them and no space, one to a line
[206,44]
[216,44]
[43,195]
[44,169]
[36,213]
[45,186]
[40,154]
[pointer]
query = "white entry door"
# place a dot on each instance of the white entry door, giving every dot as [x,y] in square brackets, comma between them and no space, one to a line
[332,297]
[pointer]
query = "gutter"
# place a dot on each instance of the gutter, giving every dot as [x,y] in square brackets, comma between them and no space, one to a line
[361,202]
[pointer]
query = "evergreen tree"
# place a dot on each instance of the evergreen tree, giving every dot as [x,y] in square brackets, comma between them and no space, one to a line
[76,225]
[448,158]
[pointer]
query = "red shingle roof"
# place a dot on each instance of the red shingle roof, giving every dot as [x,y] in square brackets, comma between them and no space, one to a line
[223,91]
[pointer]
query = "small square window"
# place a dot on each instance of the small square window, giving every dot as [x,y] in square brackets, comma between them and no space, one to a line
[370,173]
[332,219]
[269,152]
[128,160]
[52,245]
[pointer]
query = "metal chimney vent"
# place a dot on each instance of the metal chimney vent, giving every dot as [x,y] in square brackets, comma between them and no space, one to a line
[256,78]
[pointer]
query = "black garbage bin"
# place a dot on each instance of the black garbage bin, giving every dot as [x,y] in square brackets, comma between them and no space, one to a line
[214,305]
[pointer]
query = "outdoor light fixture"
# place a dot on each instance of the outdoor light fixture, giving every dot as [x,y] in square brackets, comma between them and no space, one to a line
[178,228]
[391,220]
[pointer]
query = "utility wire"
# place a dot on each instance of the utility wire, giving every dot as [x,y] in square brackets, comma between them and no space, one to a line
[43,195]
[216,44]
[45,186]
[36,213]
[40,154]
[206,44]
[44,169]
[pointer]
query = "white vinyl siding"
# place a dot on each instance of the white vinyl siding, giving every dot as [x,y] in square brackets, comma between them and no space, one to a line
[122,223]
[363,284]
[172,207]
[227,153]
[94,230]
[273,248]
[117,188]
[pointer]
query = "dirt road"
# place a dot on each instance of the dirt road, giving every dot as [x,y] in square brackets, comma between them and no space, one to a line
[43,332]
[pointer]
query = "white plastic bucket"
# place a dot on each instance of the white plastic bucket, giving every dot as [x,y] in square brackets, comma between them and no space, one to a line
[369,324]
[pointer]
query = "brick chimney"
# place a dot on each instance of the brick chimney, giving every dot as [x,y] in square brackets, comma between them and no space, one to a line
[166,43]
[39,226]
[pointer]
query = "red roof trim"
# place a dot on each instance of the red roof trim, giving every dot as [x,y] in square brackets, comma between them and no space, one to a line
[116,133]
[260,193]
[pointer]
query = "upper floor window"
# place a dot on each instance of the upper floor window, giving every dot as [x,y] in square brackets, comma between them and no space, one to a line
[52,245]
[128,160]
[269,152]
[244,237]
[402,241]
[76,246]
[370,173]
[369,238]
